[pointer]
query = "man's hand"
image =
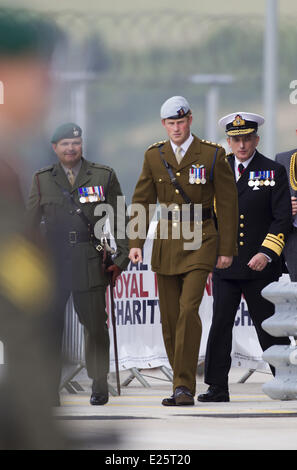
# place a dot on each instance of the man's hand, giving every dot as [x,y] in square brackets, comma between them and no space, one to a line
[224,262]
[116,272]
[135,255]
[258,262]
[294,205]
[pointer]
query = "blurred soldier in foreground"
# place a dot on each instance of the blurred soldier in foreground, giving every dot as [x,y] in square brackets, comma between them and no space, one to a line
[66,196]
[26,277]
[184,172]
[289,160]
[264,220]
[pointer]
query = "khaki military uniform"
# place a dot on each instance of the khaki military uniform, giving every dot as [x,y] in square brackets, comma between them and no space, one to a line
[78,263]
[181,273]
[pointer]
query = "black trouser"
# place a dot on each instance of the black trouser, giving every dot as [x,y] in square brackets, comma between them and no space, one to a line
[90,308]
[227,295]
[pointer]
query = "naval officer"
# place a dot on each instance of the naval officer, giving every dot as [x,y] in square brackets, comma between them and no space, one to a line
[64,196]
[182,172]
[264,220]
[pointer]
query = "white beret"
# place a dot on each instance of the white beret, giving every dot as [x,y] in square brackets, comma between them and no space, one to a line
[175,107]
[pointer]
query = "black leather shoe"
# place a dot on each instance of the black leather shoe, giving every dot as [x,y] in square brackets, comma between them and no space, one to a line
[98,398]
[214,393]
[99,392]
[169,401]
[181,397]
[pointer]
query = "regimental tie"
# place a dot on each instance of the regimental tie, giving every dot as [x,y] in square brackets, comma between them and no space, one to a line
[241,169]
[71,177]
[178,154]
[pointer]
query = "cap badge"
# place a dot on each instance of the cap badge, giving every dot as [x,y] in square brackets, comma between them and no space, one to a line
[75,132]
[181,112]
[238,121]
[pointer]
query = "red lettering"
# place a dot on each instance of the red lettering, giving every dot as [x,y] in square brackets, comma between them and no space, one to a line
[118,291]
[134,287]
[142,293]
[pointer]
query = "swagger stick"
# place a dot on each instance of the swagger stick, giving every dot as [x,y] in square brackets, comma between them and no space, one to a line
[115,344]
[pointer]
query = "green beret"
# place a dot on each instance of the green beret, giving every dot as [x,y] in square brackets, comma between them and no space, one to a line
[66,131]
[25,33]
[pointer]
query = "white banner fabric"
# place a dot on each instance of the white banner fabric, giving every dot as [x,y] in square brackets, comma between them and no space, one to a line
[139,331]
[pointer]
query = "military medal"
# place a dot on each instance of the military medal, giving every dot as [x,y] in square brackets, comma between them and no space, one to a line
[267,182]
[203,179]
[91,194]
[251,179]
[272,182]
[191,176]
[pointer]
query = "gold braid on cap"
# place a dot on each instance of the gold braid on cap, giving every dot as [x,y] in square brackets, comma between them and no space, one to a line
[293,180]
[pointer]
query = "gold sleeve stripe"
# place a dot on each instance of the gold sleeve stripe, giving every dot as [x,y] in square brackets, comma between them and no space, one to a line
[274,242]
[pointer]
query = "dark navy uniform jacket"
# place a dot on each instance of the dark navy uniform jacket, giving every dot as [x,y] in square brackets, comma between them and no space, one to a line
[264,220]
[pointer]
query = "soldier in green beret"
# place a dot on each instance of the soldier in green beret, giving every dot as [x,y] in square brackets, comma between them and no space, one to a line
[66,196]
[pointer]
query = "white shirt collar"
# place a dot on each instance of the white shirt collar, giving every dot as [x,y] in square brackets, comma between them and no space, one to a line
[184,146]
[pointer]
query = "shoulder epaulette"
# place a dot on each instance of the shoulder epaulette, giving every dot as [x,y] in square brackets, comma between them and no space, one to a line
[101,167]
[46,168]
[214,144]
[228,154]
[157,144]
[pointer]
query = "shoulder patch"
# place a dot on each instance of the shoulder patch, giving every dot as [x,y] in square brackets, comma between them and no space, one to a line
[214,144]
[46,168]
[157,144]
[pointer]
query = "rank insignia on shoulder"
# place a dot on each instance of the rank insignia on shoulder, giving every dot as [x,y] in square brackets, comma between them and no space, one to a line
[91,194]
[157,144]
[211,143]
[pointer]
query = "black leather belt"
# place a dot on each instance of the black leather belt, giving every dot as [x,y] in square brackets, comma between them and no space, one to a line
[185,214]
[72,238]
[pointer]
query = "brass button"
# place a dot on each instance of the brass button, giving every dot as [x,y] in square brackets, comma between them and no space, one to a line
[178,173]
[241,243]
[241,234]
[160,180]
[177,191]
[241,225]
[241,216]
[174,224]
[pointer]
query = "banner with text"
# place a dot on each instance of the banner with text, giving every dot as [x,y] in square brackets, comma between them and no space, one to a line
[139,331]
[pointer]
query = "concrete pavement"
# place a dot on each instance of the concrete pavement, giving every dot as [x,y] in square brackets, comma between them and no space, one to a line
[137,420]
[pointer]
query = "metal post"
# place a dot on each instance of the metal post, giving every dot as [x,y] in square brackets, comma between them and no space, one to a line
[270,77]
[212,99]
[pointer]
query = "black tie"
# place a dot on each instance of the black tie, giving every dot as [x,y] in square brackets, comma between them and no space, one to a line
[241,168]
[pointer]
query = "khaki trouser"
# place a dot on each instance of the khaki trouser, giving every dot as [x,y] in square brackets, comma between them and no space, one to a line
[180,297]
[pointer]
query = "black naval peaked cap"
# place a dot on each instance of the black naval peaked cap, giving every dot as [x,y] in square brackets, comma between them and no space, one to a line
[241,123]
[70,130]
[26,33]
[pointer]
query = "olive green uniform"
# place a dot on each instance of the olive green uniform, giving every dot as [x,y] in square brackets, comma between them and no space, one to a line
[79,264]
[182,273]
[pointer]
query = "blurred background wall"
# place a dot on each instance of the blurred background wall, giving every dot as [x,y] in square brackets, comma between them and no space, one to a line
[119,60]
